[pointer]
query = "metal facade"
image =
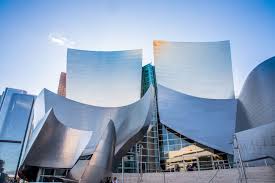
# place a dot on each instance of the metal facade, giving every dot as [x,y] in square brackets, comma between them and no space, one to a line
[256,104]
[200,69]
[257,143]
[255,126]
[210,122]
[195,91]
[64,130]
[103,117]
[104,78]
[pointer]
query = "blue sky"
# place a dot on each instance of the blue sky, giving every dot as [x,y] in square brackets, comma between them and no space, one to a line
[34,35]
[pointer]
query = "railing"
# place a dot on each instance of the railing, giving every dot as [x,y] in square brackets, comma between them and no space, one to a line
[223,169]
[260,158]
[213,164]
[240,166]
[240,162]
[219,165]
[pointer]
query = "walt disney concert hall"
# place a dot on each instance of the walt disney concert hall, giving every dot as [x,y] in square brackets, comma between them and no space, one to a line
[111,114]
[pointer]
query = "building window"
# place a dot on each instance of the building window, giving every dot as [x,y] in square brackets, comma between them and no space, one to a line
[51,174]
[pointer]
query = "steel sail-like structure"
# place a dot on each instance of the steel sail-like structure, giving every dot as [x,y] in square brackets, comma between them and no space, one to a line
[96,125]
[195,91]
[255,127]
[82,133]
[64,131]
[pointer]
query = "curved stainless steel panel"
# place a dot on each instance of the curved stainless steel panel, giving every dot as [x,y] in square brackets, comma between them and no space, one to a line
[100,165]
[104,78]
[257,143]
[208,121]
[71,118]
[55,145]
[201,69]
[256,104]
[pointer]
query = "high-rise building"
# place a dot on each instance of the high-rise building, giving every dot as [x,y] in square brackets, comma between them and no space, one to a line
[15,114]
[148,78]
[62,85]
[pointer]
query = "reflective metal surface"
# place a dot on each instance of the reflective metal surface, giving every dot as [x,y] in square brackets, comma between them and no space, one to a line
[201,69]
[104,78]
[257,142]
[196,91]
[61,131]
[256,113]
[256,104]
[100,165]
[207,121]
[55,145]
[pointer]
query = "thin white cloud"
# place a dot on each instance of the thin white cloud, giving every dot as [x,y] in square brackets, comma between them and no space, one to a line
[60,40]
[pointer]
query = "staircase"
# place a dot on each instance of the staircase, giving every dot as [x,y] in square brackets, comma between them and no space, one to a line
[263,174]
[242,173]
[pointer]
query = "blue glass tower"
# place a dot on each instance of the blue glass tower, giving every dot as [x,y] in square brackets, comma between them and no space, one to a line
[15,114]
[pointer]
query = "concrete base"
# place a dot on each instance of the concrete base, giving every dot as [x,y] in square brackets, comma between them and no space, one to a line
[265,174]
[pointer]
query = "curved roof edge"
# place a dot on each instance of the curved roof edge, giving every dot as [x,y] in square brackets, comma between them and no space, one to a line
[198,118]
[129,120]
[263,64]
[44,149]
[109,51]
[45,90]
[196,97]
[256,104]
[179,42]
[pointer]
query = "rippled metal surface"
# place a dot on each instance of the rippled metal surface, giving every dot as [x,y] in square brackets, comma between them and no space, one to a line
[256,104]
[208,121]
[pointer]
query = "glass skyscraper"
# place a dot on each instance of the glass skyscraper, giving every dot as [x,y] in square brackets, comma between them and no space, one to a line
[15,114]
